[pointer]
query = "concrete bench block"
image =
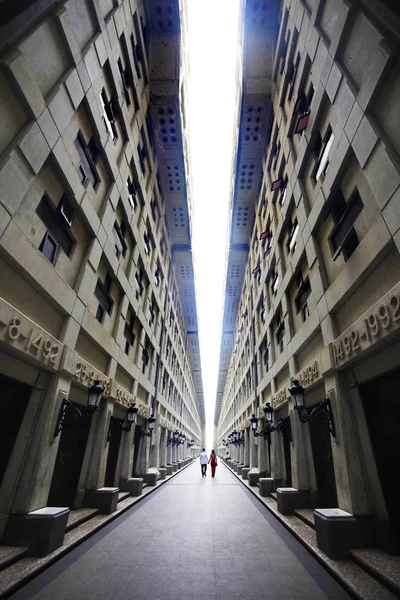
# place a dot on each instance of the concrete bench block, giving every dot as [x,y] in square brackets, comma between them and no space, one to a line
[266,486]
[253,477]
[133,485]
[42,530]
[151,478]
[163,472]
[245,472]
[337,532]
[105,499]
[288,500]
[170,469]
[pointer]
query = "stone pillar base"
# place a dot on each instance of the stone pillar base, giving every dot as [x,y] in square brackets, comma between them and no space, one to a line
[133,485]
[170,469]
[163,472]
[290,498]
[245,472]
[253,477]
[337,532]
[105,499]
[41,530]
[175,467]
[267,485]
[239,469]
[151,477]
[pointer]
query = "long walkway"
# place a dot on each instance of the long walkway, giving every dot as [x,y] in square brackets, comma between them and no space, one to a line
[193,539]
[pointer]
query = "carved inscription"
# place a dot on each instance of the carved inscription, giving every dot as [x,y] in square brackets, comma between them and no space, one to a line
[280,397]
[310,373]
[86,375]
[123,397]
[24,335]
[374,325]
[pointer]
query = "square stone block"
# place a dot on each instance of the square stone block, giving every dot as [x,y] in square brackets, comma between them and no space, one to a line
[337,532]
[41,530]
[151,478]
[253,477]
[266,486]
[133,485]
[288,500]
[163,472]
[245,472]
[105,499]
[170,469]
[239,469]
[175,467]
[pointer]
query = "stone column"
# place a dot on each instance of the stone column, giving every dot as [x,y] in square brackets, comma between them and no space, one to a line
[94,464]
[168,434]
[126,454]
[277,453]
[154,460]
[253,452]
[263,459]
[246,458]
[163,447]
[143,456]
[174,454]
[300,455]
[241,453]
[356,489]
[28,476]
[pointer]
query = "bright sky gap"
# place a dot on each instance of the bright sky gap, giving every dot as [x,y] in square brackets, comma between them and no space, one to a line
[212,48]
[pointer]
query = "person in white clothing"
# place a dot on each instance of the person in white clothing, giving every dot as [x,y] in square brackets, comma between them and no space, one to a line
[203,462]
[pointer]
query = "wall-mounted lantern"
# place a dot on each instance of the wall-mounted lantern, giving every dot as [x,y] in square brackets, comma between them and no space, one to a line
[283,426]
[70,414]
[150,423]
[126,423]
[322,412]
[174,440]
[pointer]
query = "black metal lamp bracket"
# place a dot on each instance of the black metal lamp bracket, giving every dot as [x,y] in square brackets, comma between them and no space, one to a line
[322,413]
[115,421]
[67,410]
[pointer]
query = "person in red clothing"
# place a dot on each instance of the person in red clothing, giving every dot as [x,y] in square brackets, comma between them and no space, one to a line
[213,461]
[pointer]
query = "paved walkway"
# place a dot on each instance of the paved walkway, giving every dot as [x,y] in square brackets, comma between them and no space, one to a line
[194,539]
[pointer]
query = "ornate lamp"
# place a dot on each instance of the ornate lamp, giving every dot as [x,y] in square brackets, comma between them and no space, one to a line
[322,412]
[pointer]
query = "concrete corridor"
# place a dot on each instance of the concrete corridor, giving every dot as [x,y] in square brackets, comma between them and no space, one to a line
[193,539]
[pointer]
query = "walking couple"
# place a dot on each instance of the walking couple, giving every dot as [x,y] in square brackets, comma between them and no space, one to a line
[204,461]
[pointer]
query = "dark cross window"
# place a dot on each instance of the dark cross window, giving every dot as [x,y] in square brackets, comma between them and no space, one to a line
[119,239]
[103,295]
[109,110]
[266,359]
[131,193]
[58,223]
[303,292]
[280,334]
[49,247]
[139,284]
[128,334]
[145,358]
[344,239]
[88,157]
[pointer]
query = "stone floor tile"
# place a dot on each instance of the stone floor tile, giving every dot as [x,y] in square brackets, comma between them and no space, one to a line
[226,548]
